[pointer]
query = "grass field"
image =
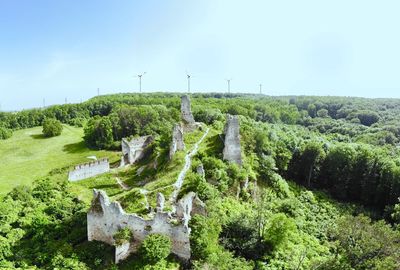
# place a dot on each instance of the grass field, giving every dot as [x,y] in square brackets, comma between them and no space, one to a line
[27,155]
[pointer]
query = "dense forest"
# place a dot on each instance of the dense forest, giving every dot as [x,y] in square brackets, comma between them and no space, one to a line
[323,192]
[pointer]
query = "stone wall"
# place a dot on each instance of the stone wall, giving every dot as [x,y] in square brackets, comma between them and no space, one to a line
[88,170]
[186,113]
[105,218]
[232,150]
[134,149]
[177,143]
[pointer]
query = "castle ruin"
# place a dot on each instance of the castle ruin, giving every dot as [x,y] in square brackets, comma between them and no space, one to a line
[177,140]
[105,218]
[134,150]
[89,169]
[186,112]
[232,149]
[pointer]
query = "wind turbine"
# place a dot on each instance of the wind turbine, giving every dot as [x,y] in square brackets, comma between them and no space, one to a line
[140,81]
[188,81]
[229,85]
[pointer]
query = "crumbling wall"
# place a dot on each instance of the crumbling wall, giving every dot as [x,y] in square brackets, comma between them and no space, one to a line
[177,143]
[105,218]
[134,149]
[189,205]
[88,170]
[232,149]
[186,113]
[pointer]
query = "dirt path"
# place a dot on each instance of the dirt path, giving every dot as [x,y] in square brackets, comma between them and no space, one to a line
[188,161]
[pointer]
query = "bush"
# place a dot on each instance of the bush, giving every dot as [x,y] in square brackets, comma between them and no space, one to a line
[52,127]
[123,236]
[155,247]
[279,230]
[77,122]
[5,133]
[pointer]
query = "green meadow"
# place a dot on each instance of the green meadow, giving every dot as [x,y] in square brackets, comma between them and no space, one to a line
[27,155]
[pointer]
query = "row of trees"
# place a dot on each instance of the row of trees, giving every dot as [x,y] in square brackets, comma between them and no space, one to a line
[75,114]
[350,172]
[107,131]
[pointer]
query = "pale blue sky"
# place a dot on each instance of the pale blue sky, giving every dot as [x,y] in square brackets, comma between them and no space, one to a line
[64,48]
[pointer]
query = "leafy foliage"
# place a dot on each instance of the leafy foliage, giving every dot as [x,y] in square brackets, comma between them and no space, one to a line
[123,236]
[155,247]
[5,133]
[52,127]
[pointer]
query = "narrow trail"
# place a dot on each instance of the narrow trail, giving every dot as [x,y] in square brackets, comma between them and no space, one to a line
[188,161]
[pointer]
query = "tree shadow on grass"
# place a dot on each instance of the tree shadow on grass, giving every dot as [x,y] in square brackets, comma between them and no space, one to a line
[38,136]
[72,148]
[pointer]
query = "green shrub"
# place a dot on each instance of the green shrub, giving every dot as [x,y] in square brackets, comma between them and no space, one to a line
[77,122]
[98,132]
[123,236]
[52,127]
[5,133]
[279,230]
[155,247]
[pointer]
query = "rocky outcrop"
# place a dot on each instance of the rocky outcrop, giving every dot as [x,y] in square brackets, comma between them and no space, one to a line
[105,218]
[88,170]
[200,171]
[133,150]
[232,149]
[188,206]
[186,113]
[177,143]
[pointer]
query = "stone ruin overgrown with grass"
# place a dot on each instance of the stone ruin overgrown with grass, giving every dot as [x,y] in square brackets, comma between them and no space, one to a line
[106,219]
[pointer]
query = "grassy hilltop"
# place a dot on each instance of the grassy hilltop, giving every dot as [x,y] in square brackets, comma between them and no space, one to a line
[27,155]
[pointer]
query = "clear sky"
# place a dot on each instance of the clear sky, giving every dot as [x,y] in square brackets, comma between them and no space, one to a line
[57,49]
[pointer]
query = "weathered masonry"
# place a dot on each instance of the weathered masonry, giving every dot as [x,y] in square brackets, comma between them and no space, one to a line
[186,113]
[105,218]
[134,149]
[232,149]
[177,143]
[88,170]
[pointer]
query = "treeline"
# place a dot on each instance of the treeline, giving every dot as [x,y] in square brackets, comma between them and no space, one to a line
[350,172]
[250,106]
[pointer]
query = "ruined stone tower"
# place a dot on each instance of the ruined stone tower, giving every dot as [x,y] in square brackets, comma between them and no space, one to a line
[177,143]
[134,149]
[232,149]
[186,112]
